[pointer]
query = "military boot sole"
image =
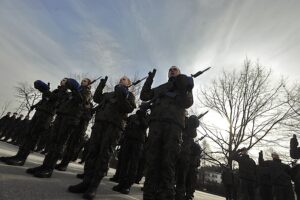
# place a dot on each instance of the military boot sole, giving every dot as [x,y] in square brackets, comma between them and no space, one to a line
[61,168]
[46,174]
[34,170]
[79,188]
[15,162]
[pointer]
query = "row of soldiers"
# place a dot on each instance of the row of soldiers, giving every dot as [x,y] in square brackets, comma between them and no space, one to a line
[13,130]
[169,142]
[12,127]
[269,180]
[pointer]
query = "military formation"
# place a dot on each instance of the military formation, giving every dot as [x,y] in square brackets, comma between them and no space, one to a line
[267,180]
[155,139]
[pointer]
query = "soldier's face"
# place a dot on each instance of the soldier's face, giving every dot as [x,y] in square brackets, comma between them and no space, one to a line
[63,82]
[173,71]
[124,81]
[85,82]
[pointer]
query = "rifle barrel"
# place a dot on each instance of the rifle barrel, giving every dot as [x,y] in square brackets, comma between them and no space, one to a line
[202,115]
[138,81]
[200,72]
[95,80]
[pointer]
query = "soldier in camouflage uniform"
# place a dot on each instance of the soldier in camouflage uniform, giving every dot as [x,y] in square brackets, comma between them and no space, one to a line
[109,122]
[185,157]
[8,127]
[75,140]
[3,121]
[66,121]
[45,110]
[132,148]
[191,180]
[167,120]
[16,130]
[22,130]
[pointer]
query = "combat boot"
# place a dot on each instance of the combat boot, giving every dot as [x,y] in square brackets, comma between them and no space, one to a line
[34,170]
[43,173]
[90,193]
[79,188]
[114,179]
[121,189]
[61,167]
[4,159]
[15,161]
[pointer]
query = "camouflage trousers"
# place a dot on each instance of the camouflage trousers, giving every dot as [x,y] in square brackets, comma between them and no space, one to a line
[162,149]
[39,123]
[104,138]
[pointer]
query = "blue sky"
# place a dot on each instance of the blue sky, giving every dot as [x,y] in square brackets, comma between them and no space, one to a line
[51,39]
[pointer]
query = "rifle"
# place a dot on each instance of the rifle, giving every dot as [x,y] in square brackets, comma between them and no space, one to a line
[138,81]
[95,80]
[199,73]
[202,115]
[192,75]
[204,136]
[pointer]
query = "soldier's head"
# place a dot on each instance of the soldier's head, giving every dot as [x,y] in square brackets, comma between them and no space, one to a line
[173,71]
[21,116]
[15,114]
[63,81]
[86,82]
[244,151]
[191,125]
[125,81]
[275,156]
[8,113]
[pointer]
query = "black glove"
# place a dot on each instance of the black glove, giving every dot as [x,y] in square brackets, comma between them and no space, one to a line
[121,90]
[152,74]
[193,122]
[103,82]
[141,113]
[144,106]
[184,83]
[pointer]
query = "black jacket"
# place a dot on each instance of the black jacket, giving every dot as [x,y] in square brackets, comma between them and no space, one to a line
[75,103]
[3,121]
[51,100]
[136,128]
[112,107]
[281,174]
[247,167]
[169,104]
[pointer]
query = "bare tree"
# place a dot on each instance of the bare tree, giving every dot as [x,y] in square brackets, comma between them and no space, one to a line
[293,99]
[27,96]
[250,106]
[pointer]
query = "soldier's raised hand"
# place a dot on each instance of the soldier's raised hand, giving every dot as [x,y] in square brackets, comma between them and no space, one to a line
[103,81]
[152,74]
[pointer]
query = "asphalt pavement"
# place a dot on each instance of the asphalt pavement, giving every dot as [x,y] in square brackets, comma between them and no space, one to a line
[15,184]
